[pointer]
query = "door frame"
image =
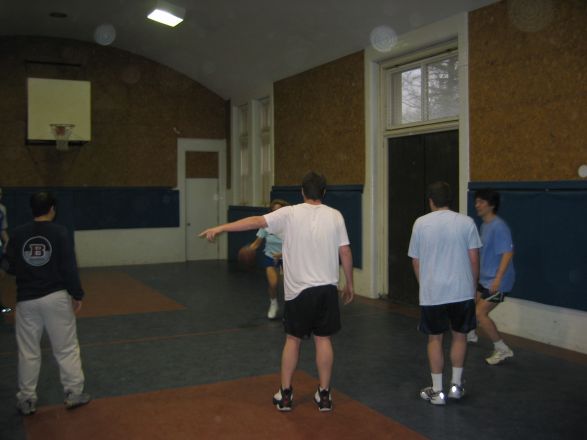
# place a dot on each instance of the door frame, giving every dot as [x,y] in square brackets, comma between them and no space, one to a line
[376,195]
[185,145]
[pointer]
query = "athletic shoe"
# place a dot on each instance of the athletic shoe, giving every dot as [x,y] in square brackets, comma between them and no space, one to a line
[26,407]
[73,400]
[498,356]
[283,399]
[472,337]
[456,391]
[4,309]
[273,308]
[323,399]
[434,397]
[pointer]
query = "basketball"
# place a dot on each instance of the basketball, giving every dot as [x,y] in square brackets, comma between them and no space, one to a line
[247,257]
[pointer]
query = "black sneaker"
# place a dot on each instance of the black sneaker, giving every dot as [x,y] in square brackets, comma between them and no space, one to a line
[323,399]
[283,399]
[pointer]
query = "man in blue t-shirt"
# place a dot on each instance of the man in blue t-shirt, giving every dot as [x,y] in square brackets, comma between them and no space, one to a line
[497,274]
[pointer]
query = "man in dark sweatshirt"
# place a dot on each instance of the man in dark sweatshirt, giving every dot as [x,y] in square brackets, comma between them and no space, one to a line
[49,293]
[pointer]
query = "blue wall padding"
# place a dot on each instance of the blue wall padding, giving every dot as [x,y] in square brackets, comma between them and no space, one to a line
[236,240]
[101,208]
[347,199]
[549,228]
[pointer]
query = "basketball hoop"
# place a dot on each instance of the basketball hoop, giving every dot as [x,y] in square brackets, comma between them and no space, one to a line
[62,132]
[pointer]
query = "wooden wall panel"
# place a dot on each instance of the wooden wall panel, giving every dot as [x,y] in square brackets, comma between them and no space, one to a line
[320,123]
[528,100]
[139,109]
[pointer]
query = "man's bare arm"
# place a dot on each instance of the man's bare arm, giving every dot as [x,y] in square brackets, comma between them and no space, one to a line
[244,224]
[346,259]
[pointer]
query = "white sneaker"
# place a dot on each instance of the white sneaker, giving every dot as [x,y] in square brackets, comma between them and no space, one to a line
[498,356]
[273,308]
[73,400]
[472,337]
[456,391]
[26,407]
[434,397]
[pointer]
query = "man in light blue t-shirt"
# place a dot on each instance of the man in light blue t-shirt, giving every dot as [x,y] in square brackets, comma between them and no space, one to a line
[497,271]
[444,248]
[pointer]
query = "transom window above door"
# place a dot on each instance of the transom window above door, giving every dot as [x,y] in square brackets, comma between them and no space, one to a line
[423,92]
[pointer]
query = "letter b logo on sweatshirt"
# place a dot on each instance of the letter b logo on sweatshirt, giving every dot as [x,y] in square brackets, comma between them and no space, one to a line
[36,251]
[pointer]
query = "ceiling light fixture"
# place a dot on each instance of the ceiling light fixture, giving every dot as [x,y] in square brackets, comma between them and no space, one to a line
[167,13]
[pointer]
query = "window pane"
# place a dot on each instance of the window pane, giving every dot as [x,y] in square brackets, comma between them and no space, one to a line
[443,89]
[408,94]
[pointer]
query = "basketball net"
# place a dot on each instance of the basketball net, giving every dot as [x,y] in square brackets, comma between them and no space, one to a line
[62,132]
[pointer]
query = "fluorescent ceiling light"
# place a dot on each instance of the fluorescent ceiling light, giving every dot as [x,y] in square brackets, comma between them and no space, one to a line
[167,13]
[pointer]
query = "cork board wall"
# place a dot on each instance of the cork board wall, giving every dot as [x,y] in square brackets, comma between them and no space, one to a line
[528,82]
[319,118]
[139,109]
[201,165]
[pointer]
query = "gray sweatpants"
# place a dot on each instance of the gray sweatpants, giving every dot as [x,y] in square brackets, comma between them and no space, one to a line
[53,313]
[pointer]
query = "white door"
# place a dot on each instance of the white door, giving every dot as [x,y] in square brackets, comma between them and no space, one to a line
[202,212]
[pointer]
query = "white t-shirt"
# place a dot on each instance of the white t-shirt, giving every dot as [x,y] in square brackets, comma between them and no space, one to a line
[441,241]
[311,237]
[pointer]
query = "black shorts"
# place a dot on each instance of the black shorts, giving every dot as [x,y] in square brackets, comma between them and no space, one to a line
[314,311]
[496,297]
[434,320]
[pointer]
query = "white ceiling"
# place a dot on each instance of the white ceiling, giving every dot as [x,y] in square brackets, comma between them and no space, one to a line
[233,47]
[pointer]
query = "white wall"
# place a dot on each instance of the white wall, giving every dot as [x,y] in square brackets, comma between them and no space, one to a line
[119,247]
[562,327]
[557,326]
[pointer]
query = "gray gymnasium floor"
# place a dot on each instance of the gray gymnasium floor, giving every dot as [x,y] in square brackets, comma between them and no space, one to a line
[219,333]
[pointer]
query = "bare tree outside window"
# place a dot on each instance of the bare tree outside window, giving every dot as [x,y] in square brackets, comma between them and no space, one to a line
[425,91]
[408,90]
[443,89]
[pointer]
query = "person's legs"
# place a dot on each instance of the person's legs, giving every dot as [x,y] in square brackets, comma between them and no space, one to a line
[29,329]
[436,360]
[60,323]
[272,280]
[483,309]
[435,354]
[472,335]
[324,360]
[434,393]
[458,349]
[3,308]
[289,360]
[501,351]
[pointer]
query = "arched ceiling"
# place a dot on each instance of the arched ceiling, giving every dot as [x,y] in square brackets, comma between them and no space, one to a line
[233,47]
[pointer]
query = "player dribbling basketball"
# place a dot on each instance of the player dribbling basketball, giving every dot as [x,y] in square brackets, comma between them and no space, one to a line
[272,261]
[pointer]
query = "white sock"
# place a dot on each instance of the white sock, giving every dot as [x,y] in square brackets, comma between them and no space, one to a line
[457,373]
[273,301]
[500,345]
[436,381]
